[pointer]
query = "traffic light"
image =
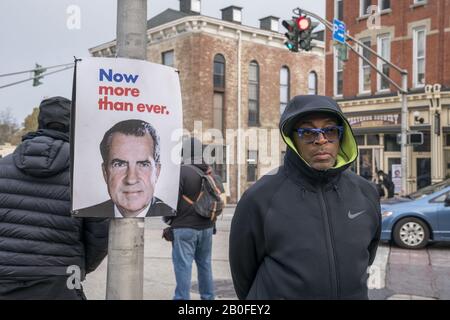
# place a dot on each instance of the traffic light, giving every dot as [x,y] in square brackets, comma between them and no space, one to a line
[305,27]
[292,35]
[37,75]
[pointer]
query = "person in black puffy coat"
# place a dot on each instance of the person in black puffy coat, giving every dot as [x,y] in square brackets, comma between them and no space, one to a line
[44,252]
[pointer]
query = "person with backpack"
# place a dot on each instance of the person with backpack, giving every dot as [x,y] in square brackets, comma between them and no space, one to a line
[198,206]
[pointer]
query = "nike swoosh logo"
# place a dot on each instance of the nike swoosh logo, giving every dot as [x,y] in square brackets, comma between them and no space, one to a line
[353,216]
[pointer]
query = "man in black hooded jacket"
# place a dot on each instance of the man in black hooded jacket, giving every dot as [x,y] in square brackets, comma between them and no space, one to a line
[311,229]
[44,252]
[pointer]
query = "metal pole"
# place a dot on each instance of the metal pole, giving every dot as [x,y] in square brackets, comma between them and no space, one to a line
[239,135]
[405,127]
[125,280]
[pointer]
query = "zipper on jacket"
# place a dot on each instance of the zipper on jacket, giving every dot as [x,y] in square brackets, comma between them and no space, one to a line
[331,255]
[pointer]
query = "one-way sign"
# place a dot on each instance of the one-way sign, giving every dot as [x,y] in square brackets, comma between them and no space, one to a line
[339,31]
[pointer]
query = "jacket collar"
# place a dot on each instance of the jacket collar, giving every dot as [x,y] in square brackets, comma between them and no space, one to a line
[309,178]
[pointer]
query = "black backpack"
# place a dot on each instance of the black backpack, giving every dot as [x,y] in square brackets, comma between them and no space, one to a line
[208,204]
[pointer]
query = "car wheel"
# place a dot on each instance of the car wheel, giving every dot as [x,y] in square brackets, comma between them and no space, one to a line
[411,233]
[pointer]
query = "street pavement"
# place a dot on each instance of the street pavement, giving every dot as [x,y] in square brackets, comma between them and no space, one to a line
[396,274]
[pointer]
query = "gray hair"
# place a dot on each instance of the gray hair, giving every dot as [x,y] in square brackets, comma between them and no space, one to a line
[133,127]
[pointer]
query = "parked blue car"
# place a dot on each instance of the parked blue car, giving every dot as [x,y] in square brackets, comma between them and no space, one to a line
[423,216]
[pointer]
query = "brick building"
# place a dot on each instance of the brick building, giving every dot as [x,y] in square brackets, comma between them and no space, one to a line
[232,77]
[414,35]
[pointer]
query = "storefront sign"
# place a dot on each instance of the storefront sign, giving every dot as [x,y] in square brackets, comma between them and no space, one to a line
[375,120]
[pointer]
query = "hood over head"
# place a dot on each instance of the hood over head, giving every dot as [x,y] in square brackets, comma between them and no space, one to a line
[43,154]
[299,107]
[54,113]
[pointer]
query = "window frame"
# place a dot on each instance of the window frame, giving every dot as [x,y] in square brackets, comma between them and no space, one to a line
[163,55]
[416,31]
[314,73]
[381,63]
[256,83]
[363,13]
[252,166]
[218,88]
[336,9]
[380,5]
[335,74]
[362,67]
[286,86]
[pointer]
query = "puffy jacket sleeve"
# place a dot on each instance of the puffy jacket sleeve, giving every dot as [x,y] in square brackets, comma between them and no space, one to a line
[246,245]
[95,235]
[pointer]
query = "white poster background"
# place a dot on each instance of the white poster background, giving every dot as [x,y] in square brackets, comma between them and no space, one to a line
[397,177]
[158,85]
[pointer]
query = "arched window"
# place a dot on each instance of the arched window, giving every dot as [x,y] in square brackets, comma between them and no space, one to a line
[219,72]
[284,88]
[312,83]
[253,94]
[219,91]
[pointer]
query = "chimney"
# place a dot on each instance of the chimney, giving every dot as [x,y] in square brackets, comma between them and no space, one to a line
[190,6]
[269,23]
[232,14]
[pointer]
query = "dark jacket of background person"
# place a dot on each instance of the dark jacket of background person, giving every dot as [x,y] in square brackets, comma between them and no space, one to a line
[302,233]
[39,239]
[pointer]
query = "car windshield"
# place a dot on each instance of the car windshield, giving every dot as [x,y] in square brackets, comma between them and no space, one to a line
[429,190]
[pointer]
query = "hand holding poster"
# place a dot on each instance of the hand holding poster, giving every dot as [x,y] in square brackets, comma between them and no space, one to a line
[125,116]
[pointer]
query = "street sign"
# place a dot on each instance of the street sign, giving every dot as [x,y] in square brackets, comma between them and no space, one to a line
[339,30]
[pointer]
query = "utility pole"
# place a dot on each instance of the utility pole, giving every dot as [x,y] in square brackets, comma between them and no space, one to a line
[125,280]
[403,89]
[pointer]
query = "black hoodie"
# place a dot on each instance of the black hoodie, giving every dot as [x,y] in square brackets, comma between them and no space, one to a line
[38,237]
[301,233]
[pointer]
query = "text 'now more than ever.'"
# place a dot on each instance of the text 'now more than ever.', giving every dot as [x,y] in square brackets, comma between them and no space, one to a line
[118,91]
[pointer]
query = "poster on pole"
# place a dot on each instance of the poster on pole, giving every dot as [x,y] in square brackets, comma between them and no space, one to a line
[126,133]
[397,177]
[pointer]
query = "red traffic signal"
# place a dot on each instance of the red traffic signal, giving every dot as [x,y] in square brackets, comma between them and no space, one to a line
[303,23]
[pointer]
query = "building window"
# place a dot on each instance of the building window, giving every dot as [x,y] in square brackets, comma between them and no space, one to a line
[373,140]
[385,4]
[384,50]
[364,68]
[338,74]
[312,83]
[364,7]
[168,58]
[390,143]
[219,72]
[360,140]
[253,94]
[220,165]
[252,165]
[219,91]
[339,9]
[284,88]
[218,111]
[419,47]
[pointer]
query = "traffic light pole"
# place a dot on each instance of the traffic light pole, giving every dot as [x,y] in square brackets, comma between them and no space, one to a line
[125,276]
[403,90]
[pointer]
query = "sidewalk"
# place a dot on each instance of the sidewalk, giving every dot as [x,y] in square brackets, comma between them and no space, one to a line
[159,279]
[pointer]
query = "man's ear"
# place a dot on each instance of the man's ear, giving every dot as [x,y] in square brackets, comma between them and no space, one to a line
[105,175]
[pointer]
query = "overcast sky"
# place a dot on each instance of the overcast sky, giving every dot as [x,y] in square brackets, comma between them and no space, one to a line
[35,31]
